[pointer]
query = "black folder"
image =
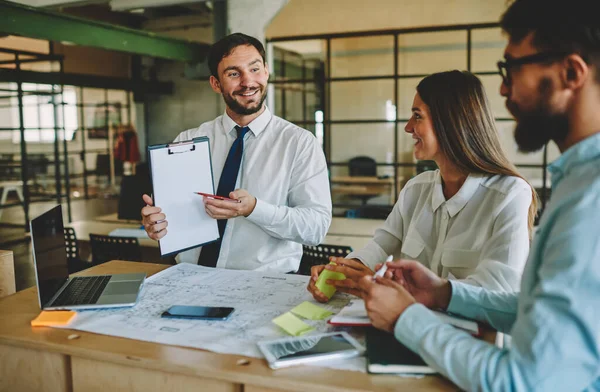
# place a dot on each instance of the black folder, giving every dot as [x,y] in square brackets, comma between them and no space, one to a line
[385,355]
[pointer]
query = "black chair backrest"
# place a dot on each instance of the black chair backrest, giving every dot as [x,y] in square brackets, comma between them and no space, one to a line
[106,248]
[130,197]
[362,166]
[71,244]
[319,255]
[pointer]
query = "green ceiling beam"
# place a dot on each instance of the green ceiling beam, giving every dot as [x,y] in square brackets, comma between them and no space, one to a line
[17,19]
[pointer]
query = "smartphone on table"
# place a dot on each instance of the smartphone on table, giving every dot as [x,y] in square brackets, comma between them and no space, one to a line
[198,312]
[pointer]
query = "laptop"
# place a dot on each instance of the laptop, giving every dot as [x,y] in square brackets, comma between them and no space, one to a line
[56,290]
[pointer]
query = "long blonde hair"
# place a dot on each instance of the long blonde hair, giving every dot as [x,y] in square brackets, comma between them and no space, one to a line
[465,128]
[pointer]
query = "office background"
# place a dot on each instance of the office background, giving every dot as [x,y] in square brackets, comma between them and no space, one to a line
[345,70]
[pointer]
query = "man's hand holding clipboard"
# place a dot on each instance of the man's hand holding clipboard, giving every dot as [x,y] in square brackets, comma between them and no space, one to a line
[154,221]
[240,203]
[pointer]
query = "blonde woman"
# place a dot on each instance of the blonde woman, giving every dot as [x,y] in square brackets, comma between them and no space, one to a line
[469,220]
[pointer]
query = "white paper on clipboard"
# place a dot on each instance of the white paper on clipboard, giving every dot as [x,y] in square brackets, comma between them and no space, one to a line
[179,170]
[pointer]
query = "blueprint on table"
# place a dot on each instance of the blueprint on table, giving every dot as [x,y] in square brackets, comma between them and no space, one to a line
[257,297]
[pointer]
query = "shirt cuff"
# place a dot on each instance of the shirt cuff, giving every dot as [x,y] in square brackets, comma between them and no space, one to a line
[458,302]
[262,214]
[413,324]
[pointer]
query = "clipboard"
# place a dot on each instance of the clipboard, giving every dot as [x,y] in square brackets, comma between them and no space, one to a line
[178,171]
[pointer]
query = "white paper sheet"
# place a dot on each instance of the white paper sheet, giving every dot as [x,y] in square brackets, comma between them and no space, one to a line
[257,297]
[175,179]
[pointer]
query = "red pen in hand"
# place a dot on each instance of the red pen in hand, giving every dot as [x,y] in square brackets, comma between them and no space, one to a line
[217,197]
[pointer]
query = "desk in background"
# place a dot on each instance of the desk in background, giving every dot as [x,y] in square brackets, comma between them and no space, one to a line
[364,186]
[114,218]
[45,359]
[354,227]
[10,186]
[83,229]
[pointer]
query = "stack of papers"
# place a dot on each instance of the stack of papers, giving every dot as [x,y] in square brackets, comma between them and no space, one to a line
[353,315]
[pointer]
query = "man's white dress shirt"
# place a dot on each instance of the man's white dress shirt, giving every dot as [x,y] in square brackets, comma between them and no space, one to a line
[480,235]
[284,167]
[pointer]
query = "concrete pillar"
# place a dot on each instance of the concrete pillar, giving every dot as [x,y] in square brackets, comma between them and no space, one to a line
[252,16]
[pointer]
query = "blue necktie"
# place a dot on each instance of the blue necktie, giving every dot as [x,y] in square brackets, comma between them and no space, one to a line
[210,253]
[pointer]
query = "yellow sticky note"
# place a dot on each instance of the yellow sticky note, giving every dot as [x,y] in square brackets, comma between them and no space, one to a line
[311,311]
[325,275]
[53,317]
[292,324]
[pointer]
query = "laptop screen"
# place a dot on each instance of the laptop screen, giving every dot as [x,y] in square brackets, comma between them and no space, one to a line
[49,253]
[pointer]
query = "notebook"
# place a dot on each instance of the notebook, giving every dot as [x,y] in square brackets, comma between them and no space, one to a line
[386,355]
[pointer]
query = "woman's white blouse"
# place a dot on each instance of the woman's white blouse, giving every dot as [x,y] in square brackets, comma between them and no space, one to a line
[479,236]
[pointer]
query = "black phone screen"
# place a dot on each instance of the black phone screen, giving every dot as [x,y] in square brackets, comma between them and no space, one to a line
[198,312]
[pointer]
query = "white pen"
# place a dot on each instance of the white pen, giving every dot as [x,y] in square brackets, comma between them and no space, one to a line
[383,268]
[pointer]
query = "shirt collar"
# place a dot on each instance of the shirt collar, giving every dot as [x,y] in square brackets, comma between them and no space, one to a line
[584,151]
[458,201]
[256,126]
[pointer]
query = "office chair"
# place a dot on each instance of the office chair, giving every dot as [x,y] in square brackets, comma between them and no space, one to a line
[319,255]
[362,166]
[425,165]
[74,263]
[106,248]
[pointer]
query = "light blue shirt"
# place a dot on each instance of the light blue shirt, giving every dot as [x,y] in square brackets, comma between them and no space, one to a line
[555,319]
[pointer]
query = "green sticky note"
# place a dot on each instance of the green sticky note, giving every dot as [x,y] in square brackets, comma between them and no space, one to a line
[292,324]
[325,275]
[311,311]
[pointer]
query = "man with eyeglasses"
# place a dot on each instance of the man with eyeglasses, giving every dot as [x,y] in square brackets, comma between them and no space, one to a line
[551,82]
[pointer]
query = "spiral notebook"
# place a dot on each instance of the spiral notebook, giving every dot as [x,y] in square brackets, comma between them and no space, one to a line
[178,171]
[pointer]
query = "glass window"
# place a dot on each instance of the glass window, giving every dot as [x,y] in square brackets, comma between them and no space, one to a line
[362,56]
[487,47]
[293,59]
[361,100]
[425,53]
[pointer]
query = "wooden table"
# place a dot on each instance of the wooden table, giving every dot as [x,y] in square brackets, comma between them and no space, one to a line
[354,226]
[10,186]
[355,243]
[45,359]
[364,186]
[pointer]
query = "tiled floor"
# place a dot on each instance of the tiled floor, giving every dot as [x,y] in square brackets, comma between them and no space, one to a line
[81,210]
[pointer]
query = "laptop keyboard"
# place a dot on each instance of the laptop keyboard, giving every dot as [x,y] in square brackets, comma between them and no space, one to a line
[82,290]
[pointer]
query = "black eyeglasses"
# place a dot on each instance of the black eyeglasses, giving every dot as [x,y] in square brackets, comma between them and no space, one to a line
[542,57]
